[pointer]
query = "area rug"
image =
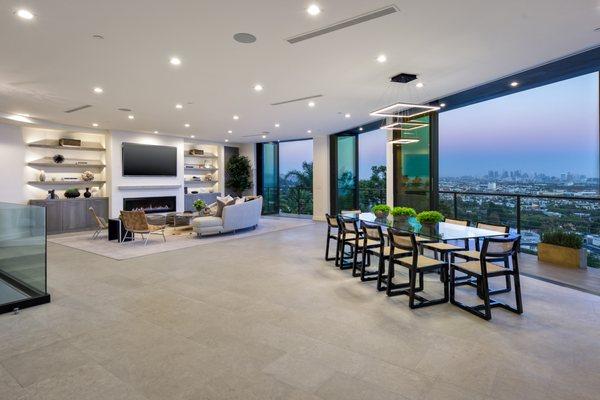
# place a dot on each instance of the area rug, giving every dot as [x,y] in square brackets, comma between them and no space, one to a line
[176,239]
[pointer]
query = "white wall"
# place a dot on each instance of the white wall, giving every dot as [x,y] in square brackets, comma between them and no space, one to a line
[115,170]
[12,165]
[321,193]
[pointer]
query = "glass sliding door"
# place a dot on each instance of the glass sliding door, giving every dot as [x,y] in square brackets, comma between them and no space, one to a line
[296,177]
[268,176]
[372,171]
[345,172]
[413,177]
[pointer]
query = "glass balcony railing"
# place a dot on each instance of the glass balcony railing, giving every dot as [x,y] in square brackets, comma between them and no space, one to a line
[22,256]
[288,201]
[530,215]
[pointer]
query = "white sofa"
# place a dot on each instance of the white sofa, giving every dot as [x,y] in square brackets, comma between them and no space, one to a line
[235,217]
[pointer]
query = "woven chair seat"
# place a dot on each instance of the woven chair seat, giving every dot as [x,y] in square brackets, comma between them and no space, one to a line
[422,262]
[369,243]
[474,267]
[468,254]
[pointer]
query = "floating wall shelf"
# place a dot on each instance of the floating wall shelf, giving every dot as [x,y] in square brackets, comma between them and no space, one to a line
[48,163]
[191,181]
[147,187]
[201,156]
[53,144]
[201,169]
[67,183]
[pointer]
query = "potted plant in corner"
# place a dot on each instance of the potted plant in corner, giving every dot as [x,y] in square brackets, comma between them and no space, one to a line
[428,218]
[562,248]
[237,174]
[381,211]
[402,214]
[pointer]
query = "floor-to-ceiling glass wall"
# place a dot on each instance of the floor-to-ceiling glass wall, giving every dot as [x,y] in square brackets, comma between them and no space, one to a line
[296,177]
[285,177]
[372,168]
[529,160]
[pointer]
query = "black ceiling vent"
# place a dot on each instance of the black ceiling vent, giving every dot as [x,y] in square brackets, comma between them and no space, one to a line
[403,78]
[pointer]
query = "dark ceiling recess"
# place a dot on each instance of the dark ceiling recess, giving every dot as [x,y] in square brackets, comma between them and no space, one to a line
[403,78]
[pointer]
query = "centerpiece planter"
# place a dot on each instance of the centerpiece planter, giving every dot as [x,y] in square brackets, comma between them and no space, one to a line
[381,211]
[402,214]
[428,219]
[562,249]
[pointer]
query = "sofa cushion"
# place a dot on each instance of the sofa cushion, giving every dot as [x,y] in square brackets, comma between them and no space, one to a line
[205,222]
[221,204]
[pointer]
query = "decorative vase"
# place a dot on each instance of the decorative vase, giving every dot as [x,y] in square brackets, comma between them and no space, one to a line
[401,219]
[87,176]
[42,176]
[87,194]
[52,195]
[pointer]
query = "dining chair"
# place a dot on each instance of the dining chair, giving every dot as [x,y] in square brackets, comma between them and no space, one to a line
[417,265]
[100,223]
[474,255]
[444,248]
[352,237]
[373,245]
[333,233]
[136,222]
[485,268]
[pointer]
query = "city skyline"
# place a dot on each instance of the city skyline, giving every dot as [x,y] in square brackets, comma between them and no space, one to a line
[552,129]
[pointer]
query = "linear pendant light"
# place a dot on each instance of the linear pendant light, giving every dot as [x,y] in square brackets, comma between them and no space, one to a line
[393,110]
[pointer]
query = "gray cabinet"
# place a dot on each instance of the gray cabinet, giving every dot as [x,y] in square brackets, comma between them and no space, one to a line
[71,215]
[191,198]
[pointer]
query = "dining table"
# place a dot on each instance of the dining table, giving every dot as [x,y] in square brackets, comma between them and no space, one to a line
[441,231]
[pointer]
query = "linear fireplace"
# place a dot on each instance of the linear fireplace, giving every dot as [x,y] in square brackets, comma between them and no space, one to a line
[151,204]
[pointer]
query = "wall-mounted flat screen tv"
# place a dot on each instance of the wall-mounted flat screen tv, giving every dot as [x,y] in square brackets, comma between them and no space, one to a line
[146,160]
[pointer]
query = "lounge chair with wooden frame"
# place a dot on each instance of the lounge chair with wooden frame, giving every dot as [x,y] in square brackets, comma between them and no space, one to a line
[136,222]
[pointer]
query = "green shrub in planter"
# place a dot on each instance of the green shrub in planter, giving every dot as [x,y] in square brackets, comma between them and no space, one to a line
[430,217]
[381,210]
[558,237]
[403,211]
[199,205]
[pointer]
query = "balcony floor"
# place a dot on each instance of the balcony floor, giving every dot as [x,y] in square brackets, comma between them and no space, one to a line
[587,280]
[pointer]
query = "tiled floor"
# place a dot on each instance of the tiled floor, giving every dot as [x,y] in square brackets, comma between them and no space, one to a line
[265,317]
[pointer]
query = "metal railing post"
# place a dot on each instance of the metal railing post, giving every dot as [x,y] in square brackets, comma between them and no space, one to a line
[454,197]
[518,214]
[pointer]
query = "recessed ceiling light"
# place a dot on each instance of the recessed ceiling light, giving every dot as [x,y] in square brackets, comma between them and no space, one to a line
[514,84]
[311,104]
[230,131]
[264,136]
[226,140]
[277,125]
[347,115]
[187,125]
[258,87]
[313,10]
[179,106]
[419,85]
[192,136]
[155,131]
[309,131]
[25,14]
[360,129]
[98,90]
[245,38]
[236,117]
[175,61]
[95,125]
[381,58]
[442,105]
[130,117]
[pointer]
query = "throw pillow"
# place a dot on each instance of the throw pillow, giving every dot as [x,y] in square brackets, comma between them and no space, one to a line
[225,198]
[221,205]
[239,200]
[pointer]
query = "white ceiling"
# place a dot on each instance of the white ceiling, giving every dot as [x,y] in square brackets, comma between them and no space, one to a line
[52,63]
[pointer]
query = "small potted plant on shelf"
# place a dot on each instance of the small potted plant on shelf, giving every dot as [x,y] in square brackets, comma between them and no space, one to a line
[430,217]
[381,211]
[199,205]
[562,248]
[402,214]
[72,193]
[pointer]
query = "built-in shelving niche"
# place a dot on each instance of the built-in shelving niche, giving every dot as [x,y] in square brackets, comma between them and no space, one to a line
[43,145]
[197,167]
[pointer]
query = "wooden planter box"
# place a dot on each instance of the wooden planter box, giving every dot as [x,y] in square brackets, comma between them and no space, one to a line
[563,256]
